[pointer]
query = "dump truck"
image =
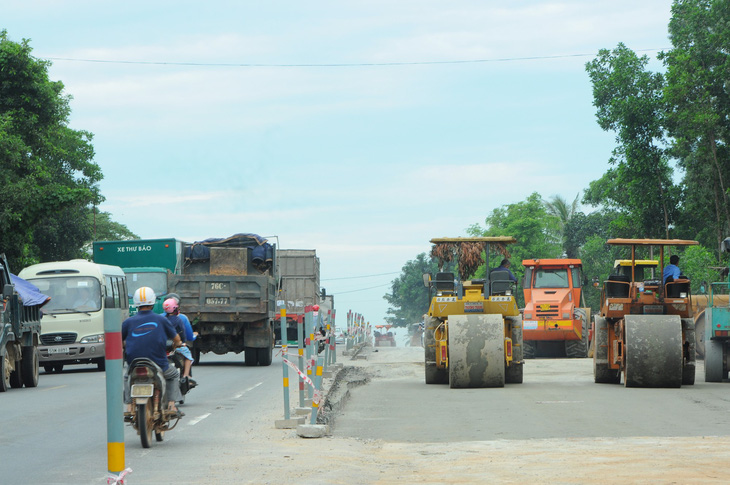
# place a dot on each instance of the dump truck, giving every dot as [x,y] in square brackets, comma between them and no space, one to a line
[146,262]
[715,328]
[473,328]
[20,330]
[228,290]
[555,321]
[645,331]
[298,288]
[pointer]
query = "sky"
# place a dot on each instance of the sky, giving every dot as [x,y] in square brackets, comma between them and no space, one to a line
[361,129]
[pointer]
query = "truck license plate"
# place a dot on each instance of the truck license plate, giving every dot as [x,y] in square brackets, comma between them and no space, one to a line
[216,301]
[142,390]
[58,350]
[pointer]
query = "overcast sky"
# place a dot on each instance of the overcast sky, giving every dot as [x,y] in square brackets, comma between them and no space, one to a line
[361,129]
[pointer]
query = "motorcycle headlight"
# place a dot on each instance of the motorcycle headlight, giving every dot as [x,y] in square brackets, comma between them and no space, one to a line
[93,339]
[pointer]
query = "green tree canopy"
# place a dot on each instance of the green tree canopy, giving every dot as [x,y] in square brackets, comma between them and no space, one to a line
[629,102]
[47,170]
[698,99]
[408,296]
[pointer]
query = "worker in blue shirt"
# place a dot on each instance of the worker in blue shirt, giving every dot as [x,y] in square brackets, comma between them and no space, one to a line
[671,270]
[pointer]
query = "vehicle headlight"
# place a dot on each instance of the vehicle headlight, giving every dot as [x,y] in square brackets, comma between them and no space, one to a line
[566,316]
[508,292]
[93,339]
[683,295]
[528,316]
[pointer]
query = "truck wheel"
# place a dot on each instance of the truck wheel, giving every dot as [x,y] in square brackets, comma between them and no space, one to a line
[578,349]
[250,356]
[528,349]
[4,372]
[700,335]
[196,355]
[434,375]
[714,361]
[29,366]
[48,368]
[688,366]
[513,373]
[602,373]
[16,377]
[265,355]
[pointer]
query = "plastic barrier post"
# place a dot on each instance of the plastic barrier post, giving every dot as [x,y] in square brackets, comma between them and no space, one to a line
[114,386]
[348,341]
[308,326]
[316,391]
[285,368]
[300,338]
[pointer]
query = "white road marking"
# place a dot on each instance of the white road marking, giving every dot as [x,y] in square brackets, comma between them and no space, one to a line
[558,402]
[240,394]
[195,421]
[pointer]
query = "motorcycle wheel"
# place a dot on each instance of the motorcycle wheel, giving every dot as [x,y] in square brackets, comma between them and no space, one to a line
[144,424]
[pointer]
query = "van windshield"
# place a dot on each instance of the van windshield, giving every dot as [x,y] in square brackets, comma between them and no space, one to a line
[156,281]
[70,294]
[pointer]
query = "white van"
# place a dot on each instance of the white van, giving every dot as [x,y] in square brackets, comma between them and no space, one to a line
[72,327]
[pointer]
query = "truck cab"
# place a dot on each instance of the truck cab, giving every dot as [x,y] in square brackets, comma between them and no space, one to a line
[555,322]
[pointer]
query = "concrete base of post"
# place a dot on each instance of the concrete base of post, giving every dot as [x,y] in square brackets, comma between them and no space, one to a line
[312,430]
[303,411]
[289,423]
[327,374]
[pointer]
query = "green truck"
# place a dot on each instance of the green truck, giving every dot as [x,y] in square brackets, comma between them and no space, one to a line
[20,328]
[146,262]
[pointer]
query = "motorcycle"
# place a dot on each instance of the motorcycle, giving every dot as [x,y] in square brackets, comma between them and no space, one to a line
[147,390]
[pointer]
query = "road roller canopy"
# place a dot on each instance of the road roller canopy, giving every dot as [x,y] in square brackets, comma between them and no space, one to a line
[489,239]
[652,242]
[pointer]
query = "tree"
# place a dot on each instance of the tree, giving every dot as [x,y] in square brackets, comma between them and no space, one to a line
[629,101]
[698,67]
[409,297]
[559,207]
[536,231]
[47,167]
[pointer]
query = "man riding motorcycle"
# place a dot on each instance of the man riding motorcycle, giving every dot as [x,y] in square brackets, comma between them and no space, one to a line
[145,335]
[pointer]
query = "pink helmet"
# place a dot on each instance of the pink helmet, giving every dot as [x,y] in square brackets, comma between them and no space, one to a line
[170,305]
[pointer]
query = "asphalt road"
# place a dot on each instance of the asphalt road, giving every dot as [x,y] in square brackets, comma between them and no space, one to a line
[56,433]
[556,427]
[558,399]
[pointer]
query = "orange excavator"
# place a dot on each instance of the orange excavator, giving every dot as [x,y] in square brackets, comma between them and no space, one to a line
[555,324]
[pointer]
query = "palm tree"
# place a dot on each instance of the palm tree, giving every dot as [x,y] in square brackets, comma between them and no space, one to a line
[559,207]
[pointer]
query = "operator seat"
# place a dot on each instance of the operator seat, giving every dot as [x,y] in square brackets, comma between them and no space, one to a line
[617,286]
[444,282]
[499,282]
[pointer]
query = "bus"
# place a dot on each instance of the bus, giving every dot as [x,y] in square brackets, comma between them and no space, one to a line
[72,326]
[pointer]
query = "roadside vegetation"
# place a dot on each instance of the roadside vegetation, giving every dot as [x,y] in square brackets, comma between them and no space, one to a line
[668,174]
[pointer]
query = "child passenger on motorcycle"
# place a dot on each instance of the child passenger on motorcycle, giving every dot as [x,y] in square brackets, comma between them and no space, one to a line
[172,311]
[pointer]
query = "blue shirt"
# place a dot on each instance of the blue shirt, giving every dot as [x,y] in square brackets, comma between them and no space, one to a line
[189,335]
[177,323]
[146,335]
[670,270]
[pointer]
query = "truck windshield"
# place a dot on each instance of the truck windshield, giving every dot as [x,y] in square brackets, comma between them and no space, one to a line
[156,281]
[70,294]
[551,278]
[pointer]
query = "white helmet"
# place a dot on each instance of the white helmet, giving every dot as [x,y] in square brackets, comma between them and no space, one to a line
[144,296]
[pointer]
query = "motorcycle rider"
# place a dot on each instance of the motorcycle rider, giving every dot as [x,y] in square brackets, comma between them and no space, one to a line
[172,311]
[145,335]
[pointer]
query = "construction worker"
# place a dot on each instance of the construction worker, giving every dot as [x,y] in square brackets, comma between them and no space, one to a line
[504,266]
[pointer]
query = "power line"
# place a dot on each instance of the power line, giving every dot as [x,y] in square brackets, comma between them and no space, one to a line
[344,64]
[357,277]
[361,289]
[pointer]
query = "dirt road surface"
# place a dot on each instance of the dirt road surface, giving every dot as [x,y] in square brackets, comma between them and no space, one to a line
[280,456]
